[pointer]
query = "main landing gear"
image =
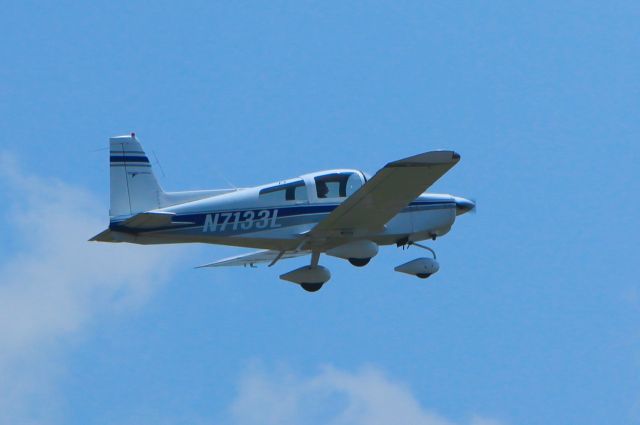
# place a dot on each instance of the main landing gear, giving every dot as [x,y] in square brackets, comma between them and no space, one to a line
[311,287]
[311,277]
[359,262]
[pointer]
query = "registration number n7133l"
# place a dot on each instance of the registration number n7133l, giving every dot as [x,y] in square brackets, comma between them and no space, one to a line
[240,220]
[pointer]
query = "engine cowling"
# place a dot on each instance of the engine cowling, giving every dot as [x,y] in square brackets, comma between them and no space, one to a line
[357,252]
[421,267]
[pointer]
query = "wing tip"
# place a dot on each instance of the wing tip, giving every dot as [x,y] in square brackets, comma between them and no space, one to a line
[439,157]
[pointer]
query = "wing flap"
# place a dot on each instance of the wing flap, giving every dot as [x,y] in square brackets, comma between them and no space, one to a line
[387,193]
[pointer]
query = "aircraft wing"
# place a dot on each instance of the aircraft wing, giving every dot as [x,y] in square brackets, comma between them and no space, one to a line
[386,194]
[256,257]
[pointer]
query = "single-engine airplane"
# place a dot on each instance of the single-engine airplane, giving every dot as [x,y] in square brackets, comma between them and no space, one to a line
[343,213]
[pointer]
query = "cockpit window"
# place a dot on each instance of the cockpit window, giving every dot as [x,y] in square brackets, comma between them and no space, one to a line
[294,191]
[354,182]
[337,185]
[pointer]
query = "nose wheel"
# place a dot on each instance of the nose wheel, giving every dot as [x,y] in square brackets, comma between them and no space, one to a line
[421,267]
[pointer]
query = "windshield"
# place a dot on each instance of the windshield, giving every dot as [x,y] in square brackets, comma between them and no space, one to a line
[337,185]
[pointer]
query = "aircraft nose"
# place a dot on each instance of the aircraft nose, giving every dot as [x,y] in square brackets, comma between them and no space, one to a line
[463,205]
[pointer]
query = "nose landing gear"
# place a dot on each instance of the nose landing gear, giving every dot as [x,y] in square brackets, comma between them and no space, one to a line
[420,267]
[424,247]
[406,244]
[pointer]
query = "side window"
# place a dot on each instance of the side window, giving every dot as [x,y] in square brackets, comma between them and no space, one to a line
[339,185]
[295,191]
[300,192]
[273,195]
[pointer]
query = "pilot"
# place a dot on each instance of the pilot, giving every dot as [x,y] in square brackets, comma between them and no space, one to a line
[322,189]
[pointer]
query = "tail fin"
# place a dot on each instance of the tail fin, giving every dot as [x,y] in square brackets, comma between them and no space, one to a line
[134,187]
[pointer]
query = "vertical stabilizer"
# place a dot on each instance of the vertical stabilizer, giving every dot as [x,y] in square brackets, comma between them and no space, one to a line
[134,187]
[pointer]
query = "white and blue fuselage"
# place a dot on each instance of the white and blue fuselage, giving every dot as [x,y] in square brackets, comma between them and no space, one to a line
[256,217]
[343,212]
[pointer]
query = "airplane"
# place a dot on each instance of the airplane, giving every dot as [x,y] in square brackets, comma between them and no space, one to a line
[343,213]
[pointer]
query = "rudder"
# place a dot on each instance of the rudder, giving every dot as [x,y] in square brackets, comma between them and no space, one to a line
[134,187]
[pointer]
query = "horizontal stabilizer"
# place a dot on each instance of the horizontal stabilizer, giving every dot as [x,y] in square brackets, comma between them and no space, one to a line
[104,236]
[113,236]
[256,257]
[151,220]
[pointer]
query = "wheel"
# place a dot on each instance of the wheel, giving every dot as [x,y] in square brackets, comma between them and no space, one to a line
[423,275]
[359,262]
[311,287]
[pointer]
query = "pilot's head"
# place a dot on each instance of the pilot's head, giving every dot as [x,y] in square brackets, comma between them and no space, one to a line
[322,189]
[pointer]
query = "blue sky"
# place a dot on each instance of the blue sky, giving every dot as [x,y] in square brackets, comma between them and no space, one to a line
[533,318]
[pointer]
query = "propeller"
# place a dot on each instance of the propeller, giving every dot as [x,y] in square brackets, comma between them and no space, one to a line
[474,210]
[464,205]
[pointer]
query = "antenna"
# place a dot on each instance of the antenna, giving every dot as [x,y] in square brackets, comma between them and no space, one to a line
[157,162]
[225,179]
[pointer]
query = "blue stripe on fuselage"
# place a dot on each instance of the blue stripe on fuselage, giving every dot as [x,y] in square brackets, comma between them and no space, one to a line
[198,219]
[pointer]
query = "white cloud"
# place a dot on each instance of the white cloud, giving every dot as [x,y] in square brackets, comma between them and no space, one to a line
[333,397]
[56,282]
